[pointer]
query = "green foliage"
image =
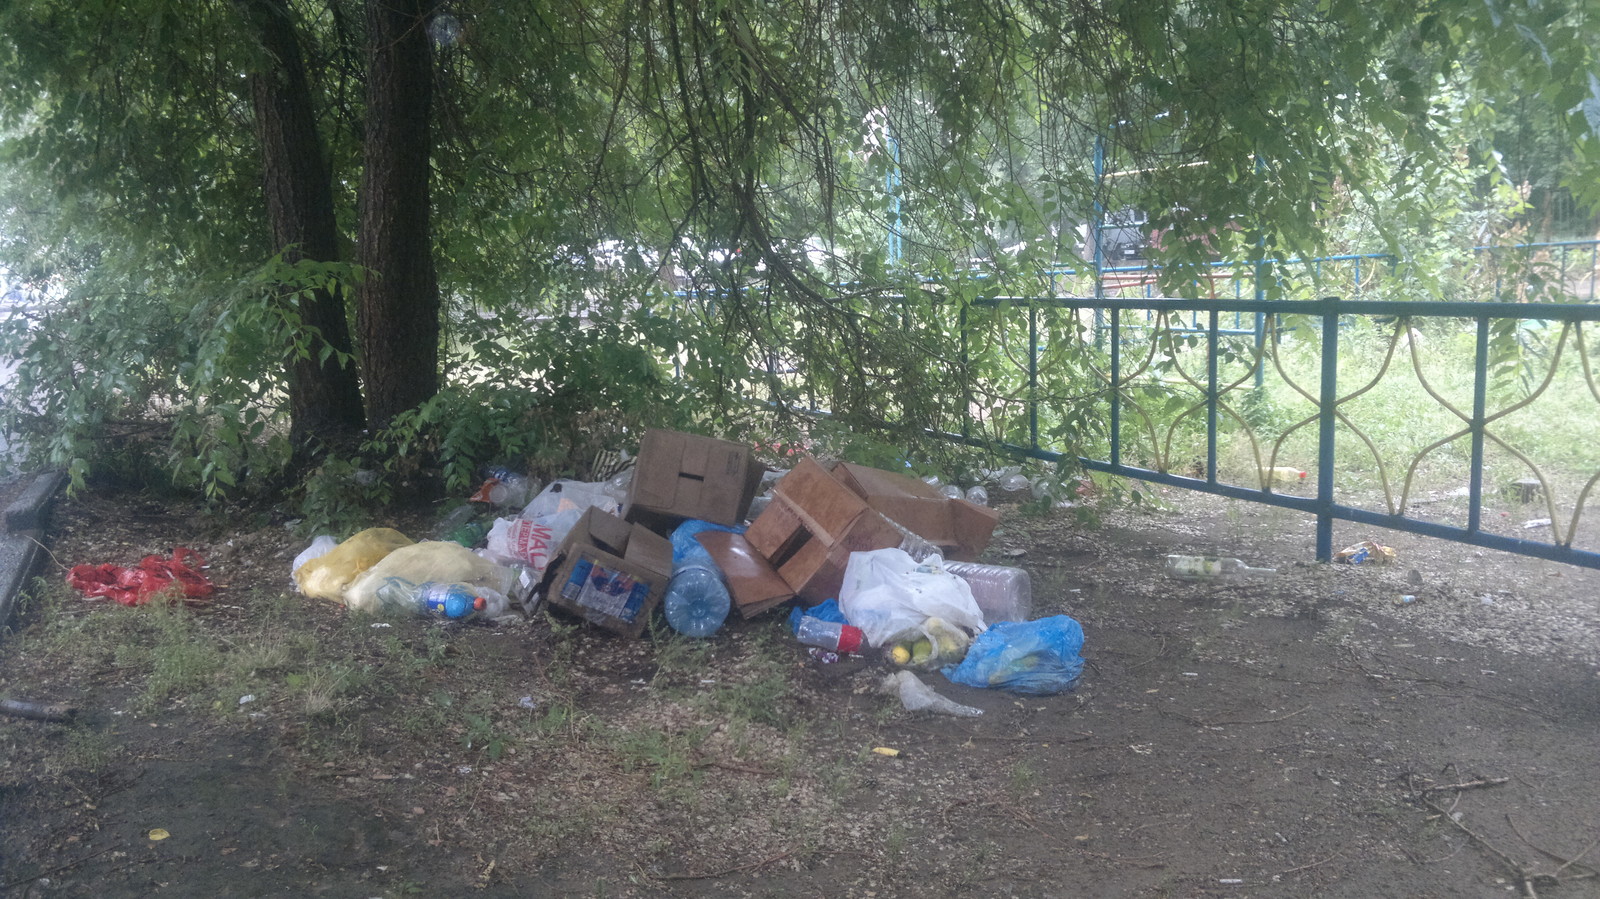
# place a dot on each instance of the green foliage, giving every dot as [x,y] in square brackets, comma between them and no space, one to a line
[762,154]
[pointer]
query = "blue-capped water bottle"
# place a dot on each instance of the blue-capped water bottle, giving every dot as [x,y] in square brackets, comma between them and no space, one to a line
[433,599]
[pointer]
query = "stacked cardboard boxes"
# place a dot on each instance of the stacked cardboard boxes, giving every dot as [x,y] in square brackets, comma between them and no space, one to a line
[613,571]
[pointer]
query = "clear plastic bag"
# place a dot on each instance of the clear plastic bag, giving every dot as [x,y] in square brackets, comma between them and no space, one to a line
[917,696]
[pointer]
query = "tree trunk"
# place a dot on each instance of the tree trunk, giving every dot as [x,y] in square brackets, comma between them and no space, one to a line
[398,311]
[324,396]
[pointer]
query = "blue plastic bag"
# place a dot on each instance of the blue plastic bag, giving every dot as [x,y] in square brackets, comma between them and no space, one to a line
[1036,657]
[827,610]
[687,551]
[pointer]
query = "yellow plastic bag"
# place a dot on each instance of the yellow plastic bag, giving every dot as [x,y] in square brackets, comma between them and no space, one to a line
[327,576]
[439,561]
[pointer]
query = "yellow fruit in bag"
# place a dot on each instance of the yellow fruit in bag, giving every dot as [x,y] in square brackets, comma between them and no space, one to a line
[327,576]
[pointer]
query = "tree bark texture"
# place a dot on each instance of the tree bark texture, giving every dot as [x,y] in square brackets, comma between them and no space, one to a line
[324,397]
[398,310]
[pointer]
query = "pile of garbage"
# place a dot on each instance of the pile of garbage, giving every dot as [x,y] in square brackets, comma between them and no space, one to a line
[872,562]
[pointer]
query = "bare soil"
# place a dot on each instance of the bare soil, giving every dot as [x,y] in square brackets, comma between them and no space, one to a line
[1299,736]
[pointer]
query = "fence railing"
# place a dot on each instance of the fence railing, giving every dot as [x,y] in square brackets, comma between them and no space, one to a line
[1435,418]
[1501,380]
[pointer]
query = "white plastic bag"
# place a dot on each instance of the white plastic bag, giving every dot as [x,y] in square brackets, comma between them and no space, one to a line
[887,593]
[570,497]
[318,548]
[517,541]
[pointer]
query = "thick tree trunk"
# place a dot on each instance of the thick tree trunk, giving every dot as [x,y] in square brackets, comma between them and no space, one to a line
[324,396]
[398,312]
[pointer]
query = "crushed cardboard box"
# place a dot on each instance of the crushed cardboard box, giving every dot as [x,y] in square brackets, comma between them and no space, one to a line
[959,528]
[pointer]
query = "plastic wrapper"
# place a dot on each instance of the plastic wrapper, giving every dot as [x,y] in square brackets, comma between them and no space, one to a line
[917,696]
[328,575]
[433,560]
[1368,552]
[1035,657]
[177,577]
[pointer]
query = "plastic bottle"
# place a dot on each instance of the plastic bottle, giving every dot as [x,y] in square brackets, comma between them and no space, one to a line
[512,490]
[429,598]
[697,601]
[977,495]
[1199,568]
[829,635]
[1015,482]
[455,518]
[469,534]
[1003,593]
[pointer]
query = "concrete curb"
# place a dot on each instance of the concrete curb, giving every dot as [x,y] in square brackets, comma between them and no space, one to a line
[21,545]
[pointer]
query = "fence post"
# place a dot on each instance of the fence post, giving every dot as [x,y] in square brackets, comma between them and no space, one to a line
[1116,392]
[1211,398]
[1329,389]
[1480,379]
[1033,375]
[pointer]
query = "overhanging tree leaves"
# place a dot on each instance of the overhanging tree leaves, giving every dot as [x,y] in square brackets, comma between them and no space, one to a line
[585,146]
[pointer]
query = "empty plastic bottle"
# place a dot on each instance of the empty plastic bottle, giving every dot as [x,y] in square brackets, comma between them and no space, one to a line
[437,600]
[697,601]
[1201,568]
[512,488]
[1003,593]
[830,635]
[977,495]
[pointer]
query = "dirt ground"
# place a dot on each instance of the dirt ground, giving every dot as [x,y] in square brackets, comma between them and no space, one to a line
[1299,736]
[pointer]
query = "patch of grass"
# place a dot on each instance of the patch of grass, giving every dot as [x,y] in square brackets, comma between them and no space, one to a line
[85,748]
[1023,778]
[668,757]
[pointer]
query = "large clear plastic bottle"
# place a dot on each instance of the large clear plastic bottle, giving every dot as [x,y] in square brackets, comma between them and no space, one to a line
[1003,593]
[697,601]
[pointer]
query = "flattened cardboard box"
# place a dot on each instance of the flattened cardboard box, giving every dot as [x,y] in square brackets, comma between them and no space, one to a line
[959,528]
[610,572]
[754,584]
[682,476]
[811,527]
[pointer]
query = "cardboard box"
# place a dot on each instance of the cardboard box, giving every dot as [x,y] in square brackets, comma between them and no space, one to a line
[610,572]
[959,528]
[680,476]
[811,527]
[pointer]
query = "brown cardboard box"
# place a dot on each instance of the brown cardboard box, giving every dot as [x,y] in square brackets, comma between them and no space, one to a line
[811,527]
[959,528]
[682,476]
[610,572]
[752,581]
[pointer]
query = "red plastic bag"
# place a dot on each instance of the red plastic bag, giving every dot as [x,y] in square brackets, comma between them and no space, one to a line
[153,575]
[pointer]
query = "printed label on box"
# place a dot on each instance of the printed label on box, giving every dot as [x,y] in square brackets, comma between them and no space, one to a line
[607,591]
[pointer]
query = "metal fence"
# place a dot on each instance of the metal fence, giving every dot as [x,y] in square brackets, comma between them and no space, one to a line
[1139,331]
